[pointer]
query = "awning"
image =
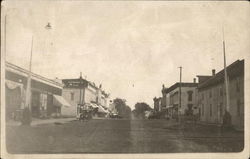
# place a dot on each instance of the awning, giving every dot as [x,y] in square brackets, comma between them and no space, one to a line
[60,101]
[101,109]
[13,85]
[94,105]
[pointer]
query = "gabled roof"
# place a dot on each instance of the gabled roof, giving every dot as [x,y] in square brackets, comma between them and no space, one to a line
[177,85]
[234,70]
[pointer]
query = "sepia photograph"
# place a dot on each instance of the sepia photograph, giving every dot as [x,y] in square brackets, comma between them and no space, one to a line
[127,79]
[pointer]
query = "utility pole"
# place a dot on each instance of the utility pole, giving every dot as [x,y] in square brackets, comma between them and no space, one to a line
[5,43]
[80,86]
[227,116]
[179,106]
[26,120]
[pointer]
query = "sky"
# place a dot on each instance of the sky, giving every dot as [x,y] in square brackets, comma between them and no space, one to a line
[130,47]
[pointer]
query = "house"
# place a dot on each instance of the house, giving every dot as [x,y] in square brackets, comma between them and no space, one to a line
[184,104]
[79,91]
[46,99]
[212,97]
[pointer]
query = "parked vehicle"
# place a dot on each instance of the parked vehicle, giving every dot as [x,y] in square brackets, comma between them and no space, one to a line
[84,112]
[115,116]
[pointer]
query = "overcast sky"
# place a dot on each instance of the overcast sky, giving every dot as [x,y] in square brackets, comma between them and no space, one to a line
[131,47]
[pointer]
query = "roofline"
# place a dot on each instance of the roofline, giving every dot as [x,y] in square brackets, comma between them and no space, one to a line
[20,69]
[201,86]
[176,85]
[91,83]
[203,76]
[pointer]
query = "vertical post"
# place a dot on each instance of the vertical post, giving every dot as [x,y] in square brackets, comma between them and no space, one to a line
[226,78]
[5,31]
[27,110]
[80,87]
[179,106]
[28,91]
[227,116]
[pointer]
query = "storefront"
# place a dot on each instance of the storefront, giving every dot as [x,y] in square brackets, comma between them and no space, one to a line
[14,99]
[43,91]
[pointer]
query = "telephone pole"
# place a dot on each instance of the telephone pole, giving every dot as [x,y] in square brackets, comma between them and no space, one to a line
[26,120]
[227,116]
[80,86]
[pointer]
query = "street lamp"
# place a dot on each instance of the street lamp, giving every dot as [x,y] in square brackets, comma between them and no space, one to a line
[48,26]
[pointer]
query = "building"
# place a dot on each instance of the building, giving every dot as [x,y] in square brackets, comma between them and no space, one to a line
[212,97]
[80,91]
[46,99]
[172,99]
[164,99]
[157,104]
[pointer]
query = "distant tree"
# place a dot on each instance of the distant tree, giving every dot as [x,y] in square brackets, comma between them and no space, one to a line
[140,108]
[121,107]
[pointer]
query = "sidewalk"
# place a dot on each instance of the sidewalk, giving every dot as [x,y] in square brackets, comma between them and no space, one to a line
[36,122]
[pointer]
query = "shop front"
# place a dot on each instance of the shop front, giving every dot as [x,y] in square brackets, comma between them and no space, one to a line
[42,92]
[13,99]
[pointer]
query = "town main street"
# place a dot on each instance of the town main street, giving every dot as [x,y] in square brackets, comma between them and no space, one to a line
[121,136]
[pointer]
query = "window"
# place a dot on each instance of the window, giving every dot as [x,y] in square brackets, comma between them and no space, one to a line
[190,95]
[238,107]
[211,111]
[72,96]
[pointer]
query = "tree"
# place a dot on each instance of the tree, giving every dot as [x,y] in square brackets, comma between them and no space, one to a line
[140,108]
[121,107]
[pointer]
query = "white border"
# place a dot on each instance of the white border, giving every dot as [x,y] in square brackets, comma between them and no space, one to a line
[4,154]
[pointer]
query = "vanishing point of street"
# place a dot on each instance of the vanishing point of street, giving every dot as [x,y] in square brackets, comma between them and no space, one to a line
[121,136]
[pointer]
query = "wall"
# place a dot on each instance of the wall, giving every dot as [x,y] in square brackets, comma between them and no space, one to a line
[217,103]
[174,98]
[66,93]
[90,95]
[41,88]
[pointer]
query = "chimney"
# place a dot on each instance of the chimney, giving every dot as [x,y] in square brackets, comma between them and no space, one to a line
[80,75]
[213,72]
[194,80]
